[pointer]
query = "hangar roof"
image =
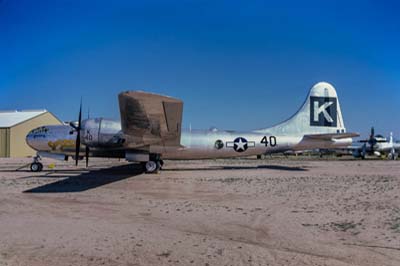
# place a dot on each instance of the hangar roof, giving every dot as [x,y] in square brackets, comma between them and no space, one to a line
[12,118]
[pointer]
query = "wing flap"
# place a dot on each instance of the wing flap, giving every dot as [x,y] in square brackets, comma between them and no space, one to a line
[173,116]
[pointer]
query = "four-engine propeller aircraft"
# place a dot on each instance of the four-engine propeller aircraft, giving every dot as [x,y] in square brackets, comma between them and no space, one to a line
[150,131]
[376,145]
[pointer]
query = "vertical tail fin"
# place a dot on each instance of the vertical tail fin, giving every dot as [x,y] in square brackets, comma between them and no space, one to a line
[319,114]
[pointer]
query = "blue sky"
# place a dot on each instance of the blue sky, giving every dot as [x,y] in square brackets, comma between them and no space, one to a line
[236,64]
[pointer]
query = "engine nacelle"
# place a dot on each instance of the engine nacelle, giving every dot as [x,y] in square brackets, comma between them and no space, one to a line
[101,132]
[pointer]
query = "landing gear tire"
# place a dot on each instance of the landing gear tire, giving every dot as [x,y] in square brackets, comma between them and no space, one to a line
[36,167]
[160,164]
[152,167]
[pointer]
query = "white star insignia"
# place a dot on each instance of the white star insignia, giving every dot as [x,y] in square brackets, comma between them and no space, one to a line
[240,145]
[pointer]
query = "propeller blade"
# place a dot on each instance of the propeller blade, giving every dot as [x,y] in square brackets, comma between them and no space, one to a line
[77,146]
[372,140]
[364,150]
[80,116]
[78,135]
[373,145]
[87,156]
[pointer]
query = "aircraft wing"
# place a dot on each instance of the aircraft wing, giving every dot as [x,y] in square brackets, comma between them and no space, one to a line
[150,119]
[366,141]
[331,136]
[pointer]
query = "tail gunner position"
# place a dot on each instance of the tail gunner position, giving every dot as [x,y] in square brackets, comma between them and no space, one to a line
[150,131]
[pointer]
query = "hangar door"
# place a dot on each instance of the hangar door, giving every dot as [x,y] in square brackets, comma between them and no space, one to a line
[4,142]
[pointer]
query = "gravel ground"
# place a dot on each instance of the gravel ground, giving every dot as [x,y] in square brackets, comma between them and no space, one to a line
[213,212]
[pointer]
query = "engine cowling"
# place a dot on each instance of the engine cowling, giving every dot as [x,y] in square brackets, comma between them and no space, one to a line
[100,132]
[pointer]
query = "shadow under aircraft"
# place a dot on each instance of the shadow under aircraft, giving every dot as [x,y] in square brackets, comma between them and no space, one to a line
[215,168]
[89,180]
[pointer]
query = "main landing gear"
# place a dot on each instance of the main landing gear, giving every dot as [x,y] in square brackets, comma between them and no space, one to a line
[153,165]
[393,156]
[36,166]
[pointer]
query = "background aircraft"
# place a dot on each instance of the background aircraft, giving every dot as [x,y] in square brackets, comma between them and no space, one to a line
[376,145]
[150,131]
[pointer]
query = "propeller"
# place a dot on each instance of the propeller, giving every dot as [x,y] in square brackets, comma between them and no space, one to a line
[87,150]
[78,135]
[87,156]
[372,133]
[78,129]
[372,140]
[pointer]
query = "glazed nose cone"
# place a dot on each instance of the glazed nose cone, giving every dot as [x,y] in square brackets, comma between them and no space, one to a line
[29,140]
[36,139]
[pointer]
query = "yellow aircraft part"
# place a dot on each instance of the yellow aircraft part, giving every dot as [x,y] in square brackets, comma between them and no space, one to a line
[61,144]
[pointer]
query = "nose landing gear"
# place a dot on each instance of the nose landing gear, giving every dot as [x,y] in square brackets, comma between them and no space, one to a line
[36,166]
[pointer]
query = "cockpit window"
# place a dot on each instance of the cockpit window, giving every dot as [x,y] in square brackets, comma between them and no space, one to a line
[110,126]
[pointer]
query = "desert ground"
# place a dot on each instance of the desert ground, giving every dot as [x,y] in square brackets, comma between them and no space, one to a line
[275,211]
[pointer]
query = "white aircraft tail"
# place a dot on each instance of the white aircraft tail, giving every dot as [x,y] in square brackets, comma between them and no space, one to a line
[320,114]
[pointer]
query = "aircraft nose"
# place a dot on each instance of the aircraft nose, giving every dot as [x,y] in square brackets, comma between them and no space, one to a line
[36,138]
[29,139]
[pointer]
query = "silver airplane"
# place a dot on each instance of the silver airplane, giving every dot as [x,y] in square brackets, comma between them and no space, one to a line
[376,145]
[150,131]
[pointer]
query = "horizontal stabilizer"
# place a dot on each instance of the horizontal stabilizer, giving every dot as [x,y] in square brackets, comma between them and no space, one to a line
[330,136]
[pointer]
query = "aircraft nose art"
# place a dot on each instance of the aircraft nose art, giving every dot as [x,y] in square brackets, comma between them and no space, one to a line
[36,138]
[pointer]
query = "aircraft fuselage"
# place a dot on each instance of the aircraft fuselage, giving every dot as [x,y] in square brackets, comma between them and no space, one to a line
[150,131]
[195,144]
